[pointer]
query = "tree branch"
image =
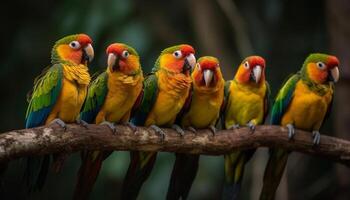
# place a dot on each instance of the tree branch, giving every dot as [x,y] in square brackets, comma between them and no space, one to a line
[48,140]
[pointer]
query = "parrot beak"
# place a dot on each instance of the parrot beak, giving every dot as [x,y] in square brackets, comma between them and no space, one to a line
[334,74]
[190,62]
[112,61]
[88,53]
[256,75]
[208,76]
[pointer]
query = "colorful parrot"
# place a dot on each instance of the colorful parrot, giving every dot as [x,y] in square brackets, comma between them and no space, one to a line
[303,102]
[165,92]
[58,95]
[202,112]
[246,98]
[111,99]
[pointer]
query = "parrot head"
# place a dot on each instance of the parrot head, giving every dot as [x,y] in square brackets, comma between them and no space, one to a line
[177,59]
[207,72]
[74,49]
[123,58]
[251,70]
[321,68]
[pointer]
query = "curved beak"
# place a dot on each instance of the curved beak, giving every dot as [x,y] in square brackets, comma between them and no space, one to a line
[334,75]
[208,76]
[112,60]
[88,53]
[190,62]
[256,75]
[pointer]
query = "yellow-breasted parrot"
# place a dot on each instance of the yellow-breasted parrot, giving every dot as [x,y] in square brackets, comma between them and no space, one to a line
[203,111]
[111,99]
[166,89]
[303,102]
[58,95]
[246,99]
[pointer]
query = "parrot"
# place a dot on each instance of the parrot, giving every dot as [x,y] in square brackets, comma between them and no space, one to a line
[246,99]
[58,95]
[165,92]
[303,102]
[203,111]
[111,99]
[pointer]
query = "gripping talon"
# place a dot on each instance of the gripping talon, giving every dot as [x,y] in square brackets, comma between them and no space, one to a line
[235,126]
[82,123]
[251,126]
[110,125]
[316,137]
[212,129]
[178,129]
[291,131]
[158,131]
[60,123]
[131,125]
[190,128]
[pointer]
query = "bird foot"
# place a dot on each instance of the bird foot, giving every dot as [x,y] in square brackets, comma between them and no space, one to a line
[251,126]
[110,125]
[291,131]
[212,129]
[59,122]
[158,131]
[178,129]
[193,130]
[317,137]
[233,127]
[82,123]
[131,125]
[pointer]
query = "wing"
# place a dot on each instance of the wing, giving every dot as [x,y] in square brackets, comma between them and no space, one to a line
[224,103]
[150,92]
[96,97]
[44,96]
[267,101]
[283,99]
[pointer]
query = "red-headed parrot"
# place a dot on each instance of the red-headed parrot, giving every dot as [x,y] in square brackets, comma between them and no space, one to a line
[202,112]
[246,98]
[58,95]
[303,102]
[110,100]
[165,92]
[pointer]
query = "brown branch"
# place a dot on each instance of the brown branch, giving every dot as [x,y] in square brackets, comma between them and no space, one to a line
[48,140]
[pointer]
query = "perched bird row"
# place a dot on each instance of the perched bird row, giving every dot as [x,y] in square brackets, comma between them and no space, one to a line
[180,93]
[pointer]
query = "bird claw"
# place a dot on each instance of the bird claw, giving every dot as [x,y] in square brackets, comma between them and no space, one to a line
[110,125]
[59,122]
[131,125]
[291,131]
[178,129]
[233,127]
[212,129]
[316,137]
[158,131]
[190,128]
[251,126]
[82,123]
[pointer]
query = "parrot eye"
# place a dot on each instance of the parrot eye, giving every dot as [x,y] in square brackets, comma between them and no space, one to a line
[177,54]
[246,65]
[125,54]
[321,65]
[74,45]
[199,67]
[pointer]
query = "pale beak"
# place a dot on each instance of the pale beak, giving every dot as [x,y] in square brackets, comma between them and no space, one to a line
[191,60]
[335,74]
[257,73]
[208,76]
[89,51]
[111,61]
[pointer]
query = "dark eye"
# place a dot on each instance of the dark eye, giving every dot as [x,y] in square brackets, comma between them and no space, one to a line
[246,65]
[321,65]
[177,54]
[74,45]
[125,54]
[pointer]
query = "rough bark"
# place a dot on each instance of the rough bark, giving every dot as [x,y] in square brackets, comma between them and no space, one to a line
[48,140]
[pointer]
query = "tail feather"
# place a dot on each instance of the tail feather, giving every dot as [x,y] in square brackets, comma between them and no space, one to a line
[234,170]
[88,172]
[183,174]
[273,173]
[36,172]
[141,165]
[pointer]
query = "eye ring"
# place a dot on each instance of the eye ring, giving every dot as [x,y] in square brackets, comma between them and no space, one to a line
[177,54]
[246,64]
[74,45]
[321,65]
[125,54]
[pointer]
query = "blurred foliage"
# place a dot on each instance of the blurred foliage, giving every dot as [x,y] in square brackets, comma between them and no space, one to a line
[284,32]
